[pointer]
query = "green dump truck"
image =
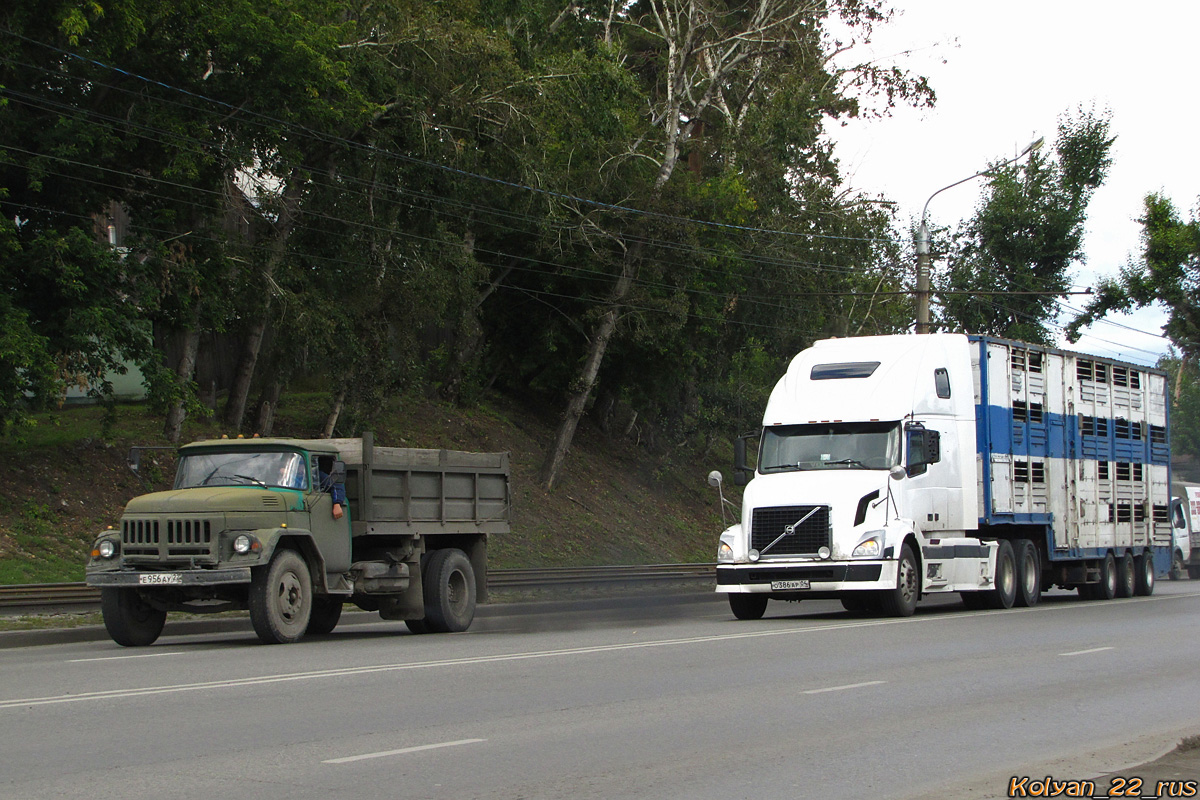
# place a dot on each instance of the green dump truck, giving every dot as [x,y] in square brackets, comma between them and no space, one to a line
[292,529]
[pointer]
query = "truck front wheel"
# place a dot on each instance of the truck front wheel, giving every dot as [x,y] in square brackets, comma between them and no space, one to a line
[129,619]
[748,606]
[449,591]
[281,599]
[902,601]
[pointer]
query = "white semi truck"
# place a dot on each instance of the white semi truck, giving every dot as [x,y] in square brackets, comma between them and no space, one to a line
[894,467]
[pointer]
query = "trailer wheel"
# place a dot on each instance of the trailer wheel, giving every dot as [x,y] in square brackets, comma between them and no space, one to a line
[1145,575]
[1005,592]
[326,611]
[902,601]
[281,599]
[748,606]
[1029,573]
[1106,589]
[449,591]
[1126,576]
[129,619]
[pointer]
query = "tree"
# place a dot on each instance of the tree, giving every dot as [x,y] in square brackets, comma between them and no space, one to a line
[1167,273]
[1011,262]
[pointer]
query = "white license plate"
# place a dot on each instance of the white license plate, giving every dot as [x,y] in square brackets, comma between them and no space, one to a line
[159,578]
[783,586]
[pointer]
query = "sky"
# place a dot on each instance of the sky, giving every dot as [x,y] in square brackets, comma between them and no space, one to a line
[1004,74]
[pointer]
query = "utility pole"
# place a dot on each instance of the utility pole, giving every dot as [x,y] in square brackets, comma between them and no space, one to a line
[924,260]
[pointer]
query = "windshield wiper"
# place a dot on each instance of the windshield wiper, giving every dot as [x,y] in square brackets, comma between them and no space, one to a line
[848,462]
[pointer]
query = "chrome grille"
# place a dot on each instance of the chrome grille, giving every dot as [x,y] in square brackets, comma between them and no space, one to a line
[767,524]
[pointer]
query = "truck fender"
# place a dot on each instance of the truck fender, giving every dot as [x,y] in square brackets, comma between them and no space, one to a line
[302,542]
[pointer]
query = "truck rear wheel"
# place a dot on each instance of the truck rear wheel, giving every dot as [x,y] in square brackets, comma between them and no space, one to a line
[902,601]
[1145,574]
[1029,573]
[129,619]
[281,599]
[449,591]
[1005,592]
[1126,576]
[748,606]
[326,611]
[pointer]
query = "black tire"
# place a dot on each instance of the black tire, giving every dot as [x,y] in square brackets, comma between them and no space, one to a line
[902,601]
[281,599]
[417,626]
[1145,574]
[748,606]
[1004,593]
[129,619]
[1178,570]
[1106,589]
[855,602]
[1029,573]
[975,601]
[1126,576]
[449,584]
[1193,571]
[326,611]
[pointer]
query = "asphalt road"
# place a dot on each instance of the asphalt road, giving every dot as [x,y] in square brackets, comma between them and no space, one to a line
[649,697]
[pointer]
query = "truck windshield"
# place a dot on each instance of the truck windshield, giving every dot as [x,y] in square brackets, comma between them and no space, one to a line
[285,470]
[836,445]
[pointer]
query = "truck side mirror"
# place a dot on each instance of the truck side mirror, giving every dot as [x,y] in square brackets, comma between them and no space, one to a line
[924,448]
[337,475]
[741,471]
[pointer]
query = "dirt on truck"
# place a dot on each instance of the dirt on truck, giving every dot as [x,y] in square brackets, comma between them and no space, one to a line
[292,529]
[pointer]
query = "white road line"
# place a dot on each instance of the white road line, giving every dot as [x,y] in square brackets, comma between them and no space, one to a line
[843,688]
[401,752]
[121,658]
[1087,652]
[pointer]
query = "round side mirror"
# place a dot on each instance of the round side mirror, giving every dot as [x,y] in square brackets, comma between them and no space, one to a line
[715,478]
[897,472]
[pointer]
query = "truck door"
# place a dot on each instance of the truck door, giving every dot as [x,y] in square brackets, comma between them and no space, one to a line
[332,535]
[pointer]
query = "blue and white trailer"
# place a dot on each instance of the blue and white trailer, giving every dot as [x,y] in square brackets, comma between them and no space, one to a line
[894,467]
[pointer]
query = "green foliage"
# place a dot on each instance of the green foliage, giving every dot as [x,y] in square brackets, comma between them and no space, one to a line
[1011,262]
[1185,410]
[1167,273]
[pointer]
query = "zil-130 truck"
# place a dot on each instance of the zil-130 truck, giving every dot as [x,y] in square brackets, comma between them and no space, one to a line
[895,467]
[252,524]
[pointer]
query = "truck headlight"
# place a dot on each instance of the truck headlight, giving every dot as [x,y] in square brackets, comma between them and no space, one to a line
[105,548]
[724,552]
[244,543]
[870,547]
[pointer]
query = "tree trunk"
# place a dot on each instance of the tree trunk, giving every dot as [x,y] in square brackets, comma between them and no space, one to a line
[173,428]
[331,420]
[235,404]
[552,467]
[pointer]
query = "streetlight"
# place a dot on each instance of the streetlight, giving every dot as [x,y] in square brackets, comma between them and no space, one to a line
[923,238]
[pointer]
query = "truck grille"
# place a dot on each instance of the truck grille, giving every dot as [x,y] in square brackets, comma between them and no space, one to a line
[162,539]
[767,524]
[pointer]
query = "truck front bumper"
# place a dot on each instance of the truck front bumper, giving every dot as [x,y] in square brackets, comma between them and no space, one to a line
[809,579]
[184,577]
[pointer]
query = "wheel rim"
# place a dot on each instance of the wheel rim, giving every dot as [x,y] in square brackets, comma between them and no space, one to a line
[291,597]
[908,580]
[1006,579]
[456,591]
[1110,583]
[1031,576]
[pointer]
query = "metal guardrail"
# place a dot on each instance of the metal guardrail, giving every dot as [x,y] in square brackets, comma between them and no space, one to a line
[66,595]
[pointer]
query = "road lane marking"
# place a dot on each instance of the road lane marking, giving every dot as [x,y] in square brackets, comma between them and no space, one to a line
[843,688]
[401,751]
[121,658]
[539,654]
[1087,652]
